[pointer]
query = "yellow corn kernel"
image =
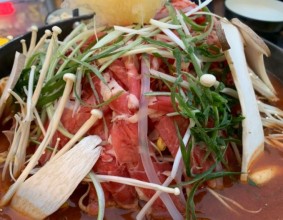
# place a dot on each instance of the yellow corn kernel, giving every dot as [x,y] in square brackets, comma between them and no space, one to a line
[161,144]
[3,40]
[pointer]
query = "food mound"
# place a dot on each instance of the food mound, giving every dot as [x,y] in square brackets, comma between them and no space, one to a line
[114,12]
[143,115]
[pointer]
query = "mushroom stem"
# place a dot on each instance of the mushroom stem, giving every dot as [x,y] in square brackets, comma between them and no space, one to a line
[24,47]
[56,31]
[47,34]
[12,150]
[39,122]
[55,148]
[95,115]
[252,135]
[138,183]
[34,30]
[18,99]
[21,145]
[69,78]
[255,48]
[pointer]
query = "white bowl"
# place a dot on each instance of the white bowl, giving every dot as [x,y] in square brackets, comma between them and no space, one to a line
[261,15]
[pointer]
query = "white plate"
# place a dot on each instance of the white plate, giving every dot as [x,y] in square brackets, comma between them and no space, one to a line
[262,10]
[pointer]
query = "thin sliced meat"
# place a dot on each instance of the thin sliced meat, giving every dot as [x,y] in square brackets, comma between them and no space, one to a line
[119,71]
[124,196]
[133,76]
[200,161]
[161,103]
[167,131]
[124,138]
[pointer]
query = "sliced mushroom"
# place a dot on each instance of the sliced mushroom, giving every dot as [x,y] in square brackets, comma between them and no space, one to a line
[255,48]
[261,87]
[47,190]
[252,135]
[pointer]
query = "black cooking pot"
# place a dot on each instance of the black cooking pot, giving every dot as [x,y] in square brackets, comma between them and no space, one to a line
[7,52]
[274,63]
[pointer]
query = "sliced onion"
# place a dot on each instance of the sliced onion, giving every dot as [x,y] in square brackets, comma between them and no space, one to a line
[143,140]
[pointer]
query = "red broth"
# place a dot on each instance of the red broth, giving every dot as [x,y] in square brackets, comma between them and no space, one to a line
[266,199]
